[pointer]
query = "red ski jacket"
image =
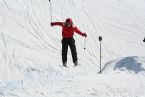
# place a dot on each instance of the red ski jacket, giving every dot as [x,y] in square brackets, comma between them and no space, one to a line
[68,32]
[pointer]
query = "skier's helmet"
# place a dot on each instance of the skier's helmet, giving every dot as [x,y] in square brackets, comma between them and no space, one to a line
[69,21]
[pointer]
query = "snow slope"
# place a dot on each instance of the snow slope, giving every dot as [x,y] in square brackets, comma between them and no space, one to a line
[121,85]
[30,50]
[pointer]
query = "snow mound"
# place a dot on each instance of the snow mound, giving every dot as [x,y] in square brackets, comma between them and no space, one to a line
[133,64]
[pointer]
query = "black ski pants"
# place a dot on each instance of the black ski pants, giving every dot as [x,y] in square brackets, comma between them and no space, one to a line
[71,43]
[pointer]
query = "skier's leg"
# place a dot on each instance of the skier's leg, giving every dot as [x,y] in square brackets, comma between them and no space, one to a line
[73,51]
[64,51]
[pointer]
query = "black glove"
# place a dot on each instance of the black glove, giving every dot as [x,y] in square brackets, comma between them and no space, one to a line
[84,34]
[51,24]
[144,40]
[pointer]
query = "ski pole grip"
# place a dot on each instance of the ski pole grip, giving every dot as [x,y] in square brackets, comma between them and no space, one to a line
[100,38]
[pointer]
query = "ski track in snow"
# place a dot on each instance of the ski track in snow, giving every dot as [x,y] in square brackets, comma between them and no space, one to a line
[30,50]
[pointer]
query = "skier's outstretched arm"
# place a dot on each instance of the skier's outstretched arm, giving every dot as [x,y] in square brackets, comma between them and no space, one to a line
[56,24]
[79,32]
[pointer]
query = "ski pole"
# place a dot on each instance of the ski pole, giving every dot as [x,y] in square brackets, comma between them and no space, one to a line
[50,10]
[100,39]
[85,44]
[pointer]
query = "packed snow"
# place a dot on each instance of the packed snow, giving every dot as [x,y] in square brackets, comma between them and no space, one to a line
[30,49]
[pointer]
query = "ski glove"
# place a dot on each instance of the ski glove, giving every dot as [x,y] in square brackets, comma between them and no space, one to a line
[144,40]
[51,24]
[84,34]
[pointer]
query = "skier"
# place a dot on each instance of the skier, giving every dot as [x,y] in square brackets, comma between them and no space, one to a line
[68,30]
[144,40]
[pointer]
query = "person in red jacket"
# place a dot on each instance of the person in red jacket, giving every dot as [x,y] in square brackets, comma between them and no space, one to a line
[68,30]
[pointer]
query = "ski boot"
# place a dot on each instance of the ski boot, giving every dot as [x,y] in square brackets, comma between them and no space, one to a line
[64,64]
[76,63]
